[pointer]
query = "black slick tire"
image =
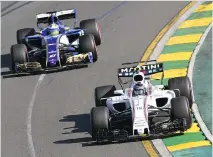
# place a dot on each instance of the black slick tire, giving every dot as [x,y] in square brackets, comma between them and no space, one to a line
[87,44]
[184,85]
[99,118]
[18,55]
[180,109]
[92,27]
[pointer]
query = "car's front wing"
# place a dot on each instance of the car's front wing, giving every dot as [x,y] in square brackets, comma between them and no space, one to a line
[122,137]
[159,131]
[33,70]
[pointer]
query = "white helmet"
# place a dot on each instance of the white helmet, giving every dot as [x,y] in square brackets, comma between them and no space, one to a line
[138,77]
[139,84]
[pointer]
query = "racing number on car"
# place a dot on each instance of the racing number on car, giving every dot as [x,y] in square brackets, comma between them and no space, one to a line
[139,108]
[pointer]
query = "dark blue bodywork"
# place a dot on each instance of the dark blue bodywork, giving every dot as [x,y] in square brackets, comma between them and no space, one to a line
[52,50]
[51,42]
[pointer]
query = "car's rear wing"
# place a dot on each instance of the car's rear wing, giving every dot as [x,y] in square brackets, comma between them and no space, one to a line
[62,15]
[147,69]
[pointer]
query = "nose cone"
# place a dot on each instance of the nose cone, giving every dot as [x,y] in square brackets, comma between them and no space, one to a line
[52,63]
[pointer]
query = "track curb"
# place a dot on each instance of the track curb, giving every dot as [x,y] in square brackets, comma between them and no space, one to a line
[158,143]
[195,110]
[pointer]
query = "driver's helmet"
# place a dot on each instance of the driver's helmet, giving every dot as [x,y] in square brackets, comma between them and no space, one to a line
[53,29]
[139,89]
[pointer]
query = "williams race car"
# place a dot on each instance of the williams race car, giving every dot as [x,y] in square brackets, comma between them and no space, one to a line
[55,46]
[141,109]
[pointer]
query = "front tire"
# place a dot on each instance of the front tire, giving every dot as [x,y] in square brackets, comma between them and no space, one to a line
[180,109]
[87,44]
[92,27]
[18,55]
[99,120]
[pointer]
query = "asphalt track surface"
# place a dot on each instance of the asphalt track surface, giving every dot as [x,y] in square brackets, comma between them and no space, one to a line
[60,115]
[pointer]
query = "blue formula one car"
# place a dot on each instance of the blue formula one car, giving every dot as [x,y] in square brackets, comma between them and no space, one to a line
[55,46]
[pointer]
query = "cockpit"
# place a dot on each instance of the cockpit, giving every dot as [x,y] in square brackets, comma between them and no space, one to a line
[139,89]
[139,84]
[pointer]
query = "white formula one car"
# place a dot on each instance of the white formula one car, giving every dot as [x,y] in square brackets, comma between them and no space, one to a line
[141,109]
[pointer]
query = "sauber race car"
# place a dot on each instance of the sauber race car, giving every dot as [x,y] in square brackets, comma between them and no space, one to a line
[143,108]
[55,46]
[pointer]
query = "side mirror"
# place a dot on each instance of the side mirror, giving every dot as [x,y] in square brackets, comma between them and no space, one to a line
[119,92]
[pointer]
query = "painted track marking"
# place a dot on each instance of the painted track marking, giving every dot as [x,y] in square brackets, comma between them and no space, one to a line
[189,138]
[188,145]
[196,23]
[29,117]
[150,149]
[155,41]
[153,45]
[184,39]
[178,56]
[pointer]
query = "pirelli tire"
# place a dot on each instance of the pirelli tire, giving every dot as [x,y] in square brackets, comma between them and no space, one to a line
[99,119]
[87,44]
[21,33]
[91,26]
[180,109]
[103,92]
[18,55]
[184,86]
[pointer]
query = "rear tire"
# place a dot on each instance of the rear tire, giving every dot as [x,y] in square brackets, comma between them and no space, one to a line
[180,109]
[102,92]
[92,27]
[18,55]
[21,33]
[184,85]
[99,120]
[87,44]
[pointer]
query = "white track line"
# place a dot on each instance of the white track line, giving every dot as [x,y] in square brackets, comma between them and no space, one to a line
[29,117]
